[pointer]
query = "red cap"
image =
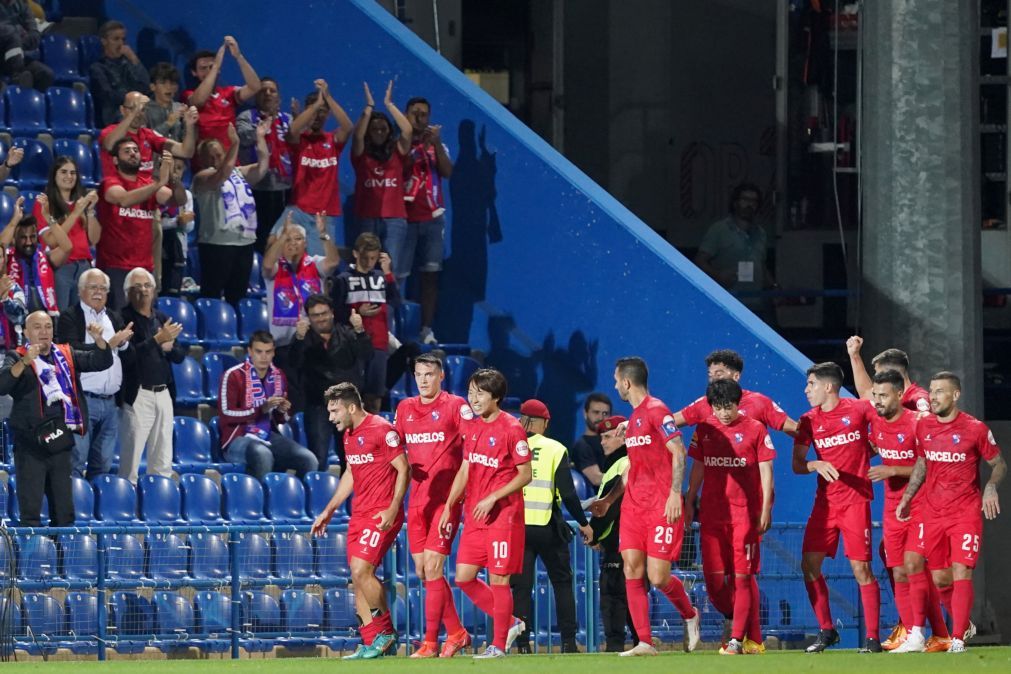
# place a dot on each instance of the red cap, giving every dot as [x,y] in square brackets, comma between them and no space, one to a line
[535,408]
[610,423]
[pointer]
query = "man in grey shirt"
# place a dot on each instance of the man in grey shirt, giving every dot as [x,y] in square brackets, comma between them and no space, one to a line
[117,72]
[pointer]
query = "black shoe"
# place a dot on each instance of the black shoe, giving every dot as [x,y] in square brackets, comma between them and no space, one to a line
[825,639]
[569,647]
[523,649]
[871,646]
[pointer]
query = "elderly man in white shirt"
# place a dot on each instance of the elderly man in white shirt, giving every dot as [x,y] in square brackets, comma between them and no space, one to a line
[95,451]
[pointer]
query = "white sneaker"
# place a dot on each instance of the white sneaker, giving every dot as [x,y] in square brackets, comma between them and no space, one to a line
[641,648]
[970,633]
[426,336]
[915,643]
[518,628]
[957,646]
[692,632]
[489,653]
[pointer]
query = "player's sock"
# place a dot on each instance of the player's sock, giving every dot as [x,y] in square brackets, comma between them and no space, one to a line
[435,601]
[884,563]
[938,627]
[368,633]
[674,590]
[919,593]
[480,594]
[946,593]
[962,597]
[450,618]
[902,604]
[817,592]
[755,623]
[870,597]
[382,621]
[502,618]
[638,607]
[743,600]
[720,592]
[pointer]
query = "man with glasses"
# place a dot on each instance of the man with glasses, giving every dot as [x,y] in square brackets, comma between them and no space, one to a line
[94,450]
[148,387]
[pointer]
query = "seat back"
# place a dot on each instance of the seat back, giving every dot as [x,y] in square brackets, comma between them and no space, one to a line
[254,556]
[458,372]
[36,557]
[79,555]
[253,316]
[14,510]
[262,611]
[115,499]
[81,611]
[189,381]
[217,321]
[42,614]
[60,53]
[213,612]
[84,501]
[191,441]
[68,113]
[339,609]
[201,499]
[168,556]
[90,49]
[182,312]
[159,499]
[26,111]
[173,614]
[215,366]
[320,488]
[331,554]
[209,556]
[242,498]
[125,558]
[285,498]
[130,615]
[292,555]
[301,611]
[33,171]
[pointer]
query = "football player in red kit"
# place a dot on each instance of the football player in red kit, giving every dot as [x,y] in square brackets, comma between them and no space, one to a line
[950,444]
[377,472]
[431,424]
[837,427]
[914,396]
[495,468]
[733,459]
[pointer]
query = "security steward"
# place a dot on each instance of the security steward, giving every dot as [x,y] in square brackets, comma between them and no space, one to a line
[547,534]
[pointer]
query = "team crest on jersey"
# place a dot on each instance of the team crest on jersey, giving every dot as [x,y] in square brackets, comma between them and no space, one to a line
[846,421]
[392,439]
[956,438]
[738,438]
[522,448]
[435,415]
[669,427]
[491,441]
[361,441]
[901,436]
[638,423]
[466,412]
[326,146]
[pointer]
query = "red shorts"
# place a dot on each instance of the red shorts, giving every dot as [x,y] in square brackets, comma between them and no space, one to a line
[423,531]
[500,549]
[650,533]
[948,541]
[828,521]
[731,547]
[899,537]
[367,542]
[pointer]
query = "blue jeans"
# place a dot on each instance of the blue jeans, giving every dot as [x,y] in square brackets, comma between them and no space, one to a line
[66,282]
[279,454]
[410,244]
[96,450]
[313,246]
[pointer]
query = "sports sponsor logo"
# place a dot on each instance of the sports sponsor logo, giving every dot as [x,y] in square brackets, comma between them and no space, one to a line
[668,425]
[482,460]
[425,438]
[726,461]
[522,448]
[466,412]
[944,457]
[360,459]
[896,454]
[990,438]
[922,405]
[638,440]
[143,214]
[319,163]
[768,442]
[837,439]
[380,182]
[393,439]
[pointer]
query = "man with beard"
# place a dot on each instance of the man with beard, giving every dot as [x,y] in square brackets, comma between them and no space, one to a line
[30,266]
[588,456]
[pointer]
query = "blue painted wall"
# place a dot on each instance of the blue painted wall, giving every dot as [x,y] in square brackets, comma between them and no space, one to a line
[545,271]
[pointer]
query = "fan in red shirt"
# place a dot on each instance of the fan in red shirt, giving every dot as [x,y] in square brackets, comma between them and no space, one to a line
[432,424]
[377,471]
[149,142]
[733,456]
[950,444]
[495,468]
[378,157]
[914,396]
[837,427]
[651,526]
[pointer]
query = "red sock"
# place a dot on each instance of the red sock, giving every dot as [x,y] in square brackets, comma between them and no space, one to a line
[435,602]
[674,590]
[962,597]
[755,623]
[721,593]
[902,602]
[480,593]
[638,607]
[919,593]
[368,632]
[870,597]
[502,618]
[946,593]
[743,601]
[450,618]
[938,627]
[817,592]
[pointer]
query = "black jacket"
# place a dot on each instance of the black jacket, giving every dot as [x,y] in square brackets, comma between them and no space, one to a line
[149,363]
[323,365]
[71,330]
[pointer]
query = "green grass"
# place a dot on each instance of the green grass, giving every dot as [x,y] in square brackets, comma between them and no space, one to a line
[989,659]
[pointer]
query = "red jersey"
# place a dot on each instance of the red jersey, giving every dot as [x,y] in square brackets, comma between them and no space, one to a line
[731,454]
[127,236]
[78,234]
[148,142]
[650,427]
[952,451]
[434,444]
[753,404]
[371,449]
[896,445]
[379,186]
[916,398]
[217,112]
[315,188]
[494,449]
[423,172]
[840,437]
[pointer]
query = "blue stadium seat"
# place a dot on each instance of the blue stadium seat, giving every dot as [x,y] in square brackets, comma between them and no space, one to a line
[159,501]
[14,611]
[331,555]
[125,558]
[257,288]
[130,615]
[254,556]
[84,501]
[584,489]
[43,616]
[79,556]
[14,511]
[252,316]
[218,325]
[212,612]
[292,555]
[60,53]
[3,116]
[403,388]
[173,616]
[36,558]
[189,380]
[26,111]
[339,609]
[90,49]
[191,441]
[33,171]
[297,424]
[300,612]
[201,499]
[115,499]
[458,372]
[3,503]
[82,156]
[262,612]
[285,498]
[407,321]
[212,426]
[68,113]
[215,365]
[181,311]
[81,611]
[168,556]
[6,211]
[209,555]
[320,488]
[242,499]
[8,554]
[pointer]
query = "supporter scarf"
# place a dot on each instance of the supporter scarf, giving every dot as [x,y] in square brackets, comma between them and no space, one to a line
[45,286]
[240,209]
[280,154]
[12,317]
[292,288]
[257,392]
[424,181]
[56,382]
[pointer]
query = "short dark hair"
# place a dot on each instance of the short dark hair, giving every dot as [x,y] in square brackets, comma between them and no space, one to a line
[345,392]
[261,337]
[726,357]
[892,358]
[429,359]
[202,54]
[633,368]
[108,27]
[25,222]
[723,393]
[890,377]
[164,72]
[119,143]
[830,371]
[417,99]
[311,97]
[597,397]
[945,375]
[490,380]
[317,299]
[367,241]
[740,189]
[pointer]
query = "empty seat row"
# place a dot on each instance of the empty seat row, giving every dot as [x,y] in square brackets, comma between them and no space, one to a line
[32,173]
[63,112]
[70,59]
[213,322]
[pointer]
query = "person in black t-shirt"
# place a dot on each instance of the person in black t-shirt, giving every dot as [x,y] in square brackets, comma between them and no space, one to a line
[587,454]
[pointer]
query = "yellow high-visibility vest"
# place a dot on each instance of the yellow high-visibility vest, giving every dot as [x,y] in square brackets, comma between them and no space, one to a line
[616,469]
[540,495]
